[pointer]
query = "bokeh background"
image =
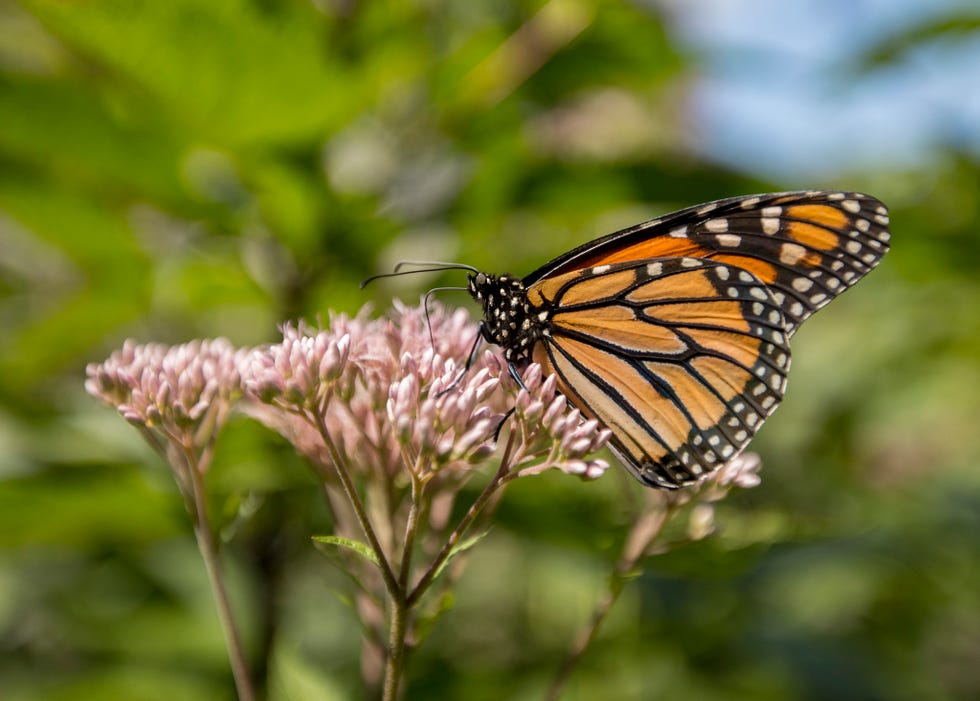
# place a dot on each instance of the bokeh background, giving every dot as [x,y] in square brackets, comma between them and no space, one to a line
[180,169]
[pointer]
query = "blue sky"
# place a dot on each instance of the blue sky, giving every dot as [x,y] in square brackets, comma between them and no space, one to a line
[778,95]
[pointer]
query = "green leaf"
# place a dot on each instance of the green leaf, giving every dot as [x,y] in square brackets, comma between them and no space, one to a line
[362,549]
[459,549]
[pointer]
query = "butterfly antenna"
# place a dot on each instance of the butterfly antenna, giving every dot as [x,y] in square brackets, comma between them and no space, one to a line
[419,266]
[425,305]
[434,266]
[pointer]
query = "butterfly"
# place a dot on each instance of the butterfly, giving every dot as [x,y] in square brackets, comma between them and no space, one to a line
[674,333]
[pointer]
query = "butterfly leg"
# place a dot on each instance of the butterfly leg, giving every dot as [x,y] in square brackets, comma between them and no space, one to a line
[469,363]
[517,377]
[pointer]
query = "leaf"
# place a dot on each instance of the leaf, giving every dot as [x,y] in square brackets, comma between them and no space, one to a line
[459,549]
[295,678]
[362,549]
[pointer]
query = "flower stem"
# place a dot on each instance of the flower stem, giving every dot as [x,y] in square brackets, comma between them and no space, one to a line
[464,523]
[398,605]
[209,553]
[645,530]
[395,662]
[391,584]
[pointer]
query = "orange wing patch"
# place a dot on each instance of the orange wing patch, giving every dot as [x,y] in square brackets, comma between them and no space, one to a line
[821,214]
[726,314]
[761,269]
[814,236]
[692,285]
[619,326]
[728,379]
[591,288]
[659,247]
[703,406]
[631,390]
[740,347]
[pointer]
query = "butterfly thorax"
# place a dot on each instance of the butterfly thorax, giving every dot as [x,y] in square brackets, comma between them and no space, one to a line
[508,320]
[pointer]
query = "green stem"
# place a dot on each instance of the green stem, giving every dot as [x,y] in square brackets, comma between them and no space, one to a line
[395,661]
[645,530]
[391,584]
[475,508]
[398,604]
[209,553]
[411,527]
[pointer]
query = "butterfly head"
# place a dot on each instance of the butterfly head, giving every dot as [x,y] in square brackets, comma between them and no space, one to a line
[507,314]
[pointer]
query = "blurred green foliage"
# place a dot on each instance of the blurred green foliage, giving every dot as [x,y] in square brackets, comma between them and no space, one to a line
[180,169]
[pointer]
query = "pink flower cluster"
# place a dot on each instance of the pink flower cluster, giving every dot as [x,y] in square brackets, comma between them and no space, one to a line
[185,392]
[395,394]
[392,394]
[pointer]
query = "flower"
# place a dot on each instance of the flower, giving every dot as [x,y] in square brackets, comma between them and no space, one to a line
[182,393]
[742,471]
[547,425]
[405,396]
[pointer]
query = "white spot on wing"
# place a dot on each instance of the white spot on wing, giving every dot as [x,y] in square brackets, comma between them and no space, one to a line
[802,284]
[791,253]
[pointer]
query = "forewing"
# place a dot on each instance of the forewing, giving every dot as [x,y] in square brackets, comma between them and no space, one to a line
[807,247]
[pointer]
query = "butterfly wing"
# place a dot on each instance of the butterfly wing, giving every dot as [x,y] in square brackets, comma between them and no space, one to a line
[682,358]
[807,247]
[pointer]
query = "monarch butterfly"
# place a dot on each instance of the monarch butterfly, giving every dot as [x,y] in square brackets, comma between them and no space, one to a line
[674,333]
